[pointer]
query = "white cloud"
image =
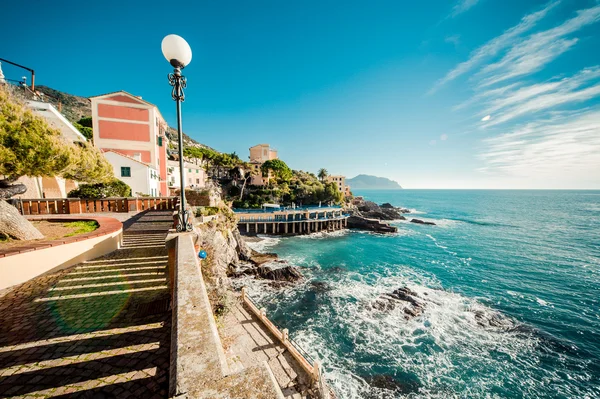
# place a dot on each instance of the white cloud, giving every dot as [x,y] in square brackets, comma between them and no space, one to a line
[486,118]
[532,54]
[453,39]
[494,46]
[444,137]
[558,151]
[544,96]
[462,6]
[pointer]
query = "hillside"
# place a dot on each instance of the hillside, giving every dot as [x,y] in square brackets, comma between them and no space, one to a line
[365,182]
[75,107]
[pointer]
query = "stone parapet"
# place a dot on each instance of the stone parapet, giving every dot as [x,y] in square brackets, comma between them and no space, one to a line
[198,365]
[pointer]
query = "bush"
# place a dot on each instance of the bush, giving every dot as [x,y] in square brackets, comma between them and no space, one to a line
[114,188]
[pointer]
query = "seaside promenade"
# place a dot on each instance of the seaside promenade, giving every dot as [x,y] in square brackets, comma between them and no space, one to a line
[291,221]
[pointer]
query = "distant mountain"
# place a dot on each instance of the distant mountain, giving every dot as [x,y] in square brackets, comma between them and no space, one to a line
[372,182]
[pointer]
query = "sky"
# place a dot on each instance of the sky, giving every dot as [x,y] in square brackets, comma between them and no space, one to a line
[432,94]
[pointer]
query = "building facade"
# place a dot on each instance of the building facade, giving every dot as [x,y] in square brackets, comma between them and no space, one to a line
[340,181]
[194,176]
[128,125]
[259,154]
[141,177]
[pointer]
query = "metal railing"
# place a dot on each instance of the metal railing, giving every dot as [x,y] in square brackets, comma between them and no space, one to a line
[310,366]
[244,219]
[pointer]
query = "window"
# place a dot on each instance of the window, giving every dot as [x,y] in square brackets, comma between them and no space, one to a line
[197,181]
[125,171]
[189,170]
[160,141]
[190,180]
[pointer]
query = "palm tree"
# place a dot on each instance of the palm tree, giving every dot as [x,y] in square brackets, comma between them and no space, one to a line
[322,174]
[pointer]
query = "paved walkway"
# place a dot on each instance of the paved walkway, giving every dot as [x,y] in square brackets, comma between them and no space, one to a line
[248,342]
[100,329]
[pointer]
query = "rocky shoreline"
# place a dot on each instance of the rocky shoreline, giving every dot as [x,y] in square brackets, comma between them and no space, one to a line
[367,215]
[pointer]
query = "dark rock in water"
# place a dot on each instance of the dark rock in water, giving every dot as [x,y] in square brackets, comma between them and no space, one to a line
[288,273]
[375,225]
[492,319]
[320,286]
[419,221]
[398,384]
[387,302]
[371,210]
[403,210]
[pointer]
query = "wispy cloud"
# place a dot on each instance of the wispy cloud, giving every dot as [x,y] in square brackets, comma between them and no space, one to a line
[533,53]
[495,46]
[462,6]
[531,99]
[454,39]
[564,147]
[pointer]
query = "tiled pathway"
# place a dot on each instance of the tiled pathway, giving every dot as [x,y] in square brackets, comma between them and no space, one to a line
[100,329]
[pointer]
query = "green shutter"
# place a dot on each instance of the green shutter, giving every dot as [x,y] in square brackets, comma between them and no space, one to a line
[160,141]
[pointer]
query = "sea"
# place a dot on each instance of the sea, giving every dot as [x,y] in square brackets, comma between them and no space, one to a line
[509,280]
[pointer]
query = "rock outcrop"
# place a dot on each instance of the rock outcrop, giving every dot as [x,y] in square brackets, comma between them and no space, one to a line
[419,221]
[359,222]
[412,304]
[371,210]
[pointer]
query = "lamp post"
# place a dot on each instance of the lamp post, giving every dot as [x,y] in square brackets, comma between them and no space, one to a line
[179,54]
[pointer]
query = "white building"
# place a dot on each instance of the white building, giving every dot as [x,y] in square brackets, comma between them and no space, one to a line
[194,175]
[141,177]
[340,181]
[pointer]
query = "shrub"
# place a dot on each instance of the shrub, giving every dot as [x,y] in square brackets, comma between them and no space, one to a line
[114,188]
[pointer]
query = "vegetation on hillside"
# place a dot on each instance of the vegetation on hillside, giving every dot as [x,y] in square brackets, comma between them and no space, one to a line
[30,147]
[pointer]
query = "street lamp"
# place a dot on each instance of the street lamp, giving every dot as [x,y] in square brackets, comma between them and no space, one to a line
[179,54]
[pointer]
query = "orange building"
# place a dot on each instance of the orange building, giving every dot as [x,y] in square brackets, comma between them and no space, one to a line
[126,124]
[259,154]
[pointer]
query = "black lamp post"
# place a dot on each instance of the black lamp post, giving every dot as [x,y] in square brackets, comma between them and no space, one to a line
[179,54]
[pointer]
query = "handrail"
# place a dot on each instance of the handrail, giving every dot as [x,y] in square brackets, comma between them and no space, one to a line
[312,367]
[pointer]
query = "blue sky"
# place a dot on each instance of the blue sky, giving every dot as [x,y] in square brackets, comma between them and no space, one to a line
[433,94]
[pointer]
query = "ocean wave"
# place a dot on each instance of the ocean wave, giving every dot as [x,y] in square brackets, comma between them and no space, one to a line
[482,222]
[265,243]
[416,212]
[448,334]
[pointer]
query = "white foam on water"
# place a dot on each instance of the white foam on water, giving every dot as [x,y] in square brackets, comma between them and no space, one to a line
[265,243]
[416,212]
[541,302]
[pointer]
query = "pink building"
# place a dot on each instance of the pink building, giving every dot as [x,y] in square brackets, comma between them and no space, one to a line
[133,127]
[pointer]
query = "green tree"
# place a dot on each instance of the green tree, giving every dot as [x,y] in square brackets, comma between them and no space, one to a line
[29,147]
[86,121]
[279,169]
[87,132]
[322,174]
[113,188]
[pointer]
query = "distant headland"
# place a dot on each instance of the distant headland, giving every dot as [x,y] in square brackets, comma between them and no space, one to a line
[372,182]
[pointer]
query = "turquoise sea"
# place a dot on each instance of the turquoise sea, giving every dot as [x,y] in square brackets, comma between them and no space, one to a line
[528,260]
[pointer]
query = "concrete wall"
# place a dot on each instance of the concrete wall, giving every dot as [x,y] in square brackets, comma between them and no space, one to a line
[18,268]
[198,365]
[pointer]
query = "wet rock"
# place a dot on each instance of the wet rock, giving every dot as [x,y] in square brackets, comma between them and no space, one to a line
[261,258]
[288,273]
[358,222]
[387,205]
[412,304]
[402,384]
[419,221]
[320,286]
[492,319]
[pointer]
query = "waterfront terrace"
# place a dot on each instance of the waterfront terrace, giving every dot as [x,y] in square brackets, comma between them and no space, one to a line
[291,221]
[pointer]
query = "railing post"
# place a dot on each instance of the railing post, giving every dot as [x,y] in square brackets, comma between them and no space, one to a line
[285,336]
[244,294]
[263,313]
[316,371]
